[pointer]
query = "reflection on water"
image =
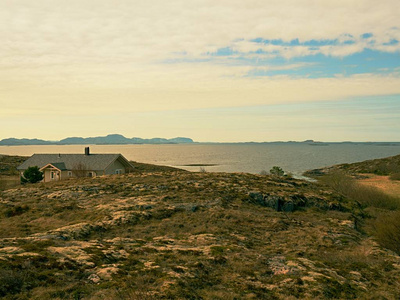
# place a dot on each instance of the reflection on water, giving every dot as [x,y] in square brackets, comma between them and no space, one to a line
[251,158]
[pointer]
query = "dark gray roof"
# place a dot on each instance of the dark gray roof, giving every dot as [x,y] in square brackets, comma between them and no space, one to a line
[91,162]
[59,165]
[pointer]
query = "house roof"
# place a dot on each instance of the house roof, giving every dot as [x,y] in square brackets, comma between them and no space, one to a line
[61,166]
[70,161]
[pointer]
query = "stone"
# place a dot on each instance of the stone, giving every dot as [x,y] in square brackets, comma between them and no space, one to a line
[258,197]
[288,206]
[94,278]
[274,202]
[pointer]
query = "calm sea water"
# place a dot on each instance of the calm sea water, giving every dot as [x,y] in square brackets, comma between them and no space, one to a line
[251,158]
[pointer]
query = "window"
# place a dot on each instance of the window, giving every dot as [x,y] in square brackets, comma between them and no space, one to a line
[118,171]
[52,175]
[69,173]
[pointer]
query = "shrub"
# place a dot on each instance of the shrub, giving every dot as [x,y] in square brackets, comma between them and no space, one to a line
[395,176]
[16,211]
[277,171]
[3,184]
[387,231]
[203,170]
[11,282]
[32,175]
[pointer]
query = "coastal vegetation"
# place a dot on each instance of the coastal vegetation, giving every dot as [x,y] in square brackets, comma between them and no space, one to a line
[165,233]
[32,175]
[368,184]
[276,171]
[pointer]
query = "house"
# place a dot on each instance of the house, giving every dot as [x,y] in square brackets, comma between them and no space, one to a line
[62,166]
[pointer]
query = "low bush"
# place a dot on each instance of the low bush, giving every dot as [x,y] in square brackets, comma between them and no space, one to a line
[16,211]
[3,184]
[11,282]
[387,231]
[8,182]
[276,171]
[32,175]
[395,176]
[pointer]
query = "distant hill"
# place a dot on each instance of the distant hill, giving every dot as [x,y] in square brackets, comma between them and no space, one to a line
[111,139]
[13,141]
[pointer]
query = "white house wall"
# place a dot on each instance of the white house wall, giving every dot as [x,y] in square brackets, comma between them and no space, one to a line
[116,165]
[47,175]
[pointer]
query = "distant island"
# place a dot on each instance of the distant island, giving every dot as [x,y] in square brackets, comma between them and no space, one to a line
[111,139]
[118,139]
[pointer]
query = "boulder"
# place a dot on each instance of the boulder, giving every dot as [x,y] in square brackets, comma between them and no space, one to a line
[257,197]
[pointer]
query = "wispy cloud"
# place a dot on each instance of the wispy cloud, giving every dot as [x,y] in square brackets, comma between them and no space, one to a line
[278,55]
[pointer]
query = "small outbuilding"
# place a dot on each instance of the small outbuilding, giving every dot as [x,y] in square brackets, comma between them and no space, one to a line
[62,166]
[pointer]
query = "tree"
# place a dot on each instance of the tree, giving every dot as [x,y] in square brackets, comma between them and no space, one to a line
[32,175]
[277,171]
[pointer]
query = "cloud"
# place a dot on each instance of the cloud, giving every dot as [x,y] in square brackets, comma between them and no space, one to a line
[95,57]
[150,30]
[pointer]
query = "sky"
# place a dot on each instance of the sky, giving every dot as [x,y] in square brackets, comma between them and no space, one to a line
[220,71]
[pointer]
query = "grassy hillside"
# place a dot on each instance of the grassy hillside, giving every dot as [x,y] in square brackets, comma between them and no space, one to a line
[171,234]
[9,176]
[375,186]
[165,233]
[381,166]
[9,164]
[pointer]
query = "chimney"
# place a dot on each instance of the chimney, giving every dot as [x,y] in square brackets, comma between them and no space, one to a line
[87,152]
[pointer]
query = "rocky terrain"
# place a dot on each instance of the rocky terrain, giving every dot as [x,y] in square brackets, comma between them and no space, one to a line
[381,166]
[164,233]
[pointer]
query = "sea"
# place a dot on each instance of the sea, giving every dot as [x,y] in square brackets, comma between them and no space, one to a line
[295,158]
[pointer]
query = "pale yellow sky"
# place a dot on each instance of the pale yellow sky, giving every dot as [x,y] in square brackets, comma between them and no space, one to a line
[86,68]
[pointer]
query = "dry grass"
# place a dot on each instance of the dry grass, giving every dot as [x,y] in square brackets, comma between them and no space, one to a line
[383,183]
[169,234]
[363,193]
[381,195]
[8,164]
[7,182]
[394,176]
[387,230]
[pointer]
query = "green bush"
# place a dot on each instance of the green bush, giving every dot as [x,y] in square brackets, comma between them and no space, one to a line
[11,282]
[32,175]
[277,171]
